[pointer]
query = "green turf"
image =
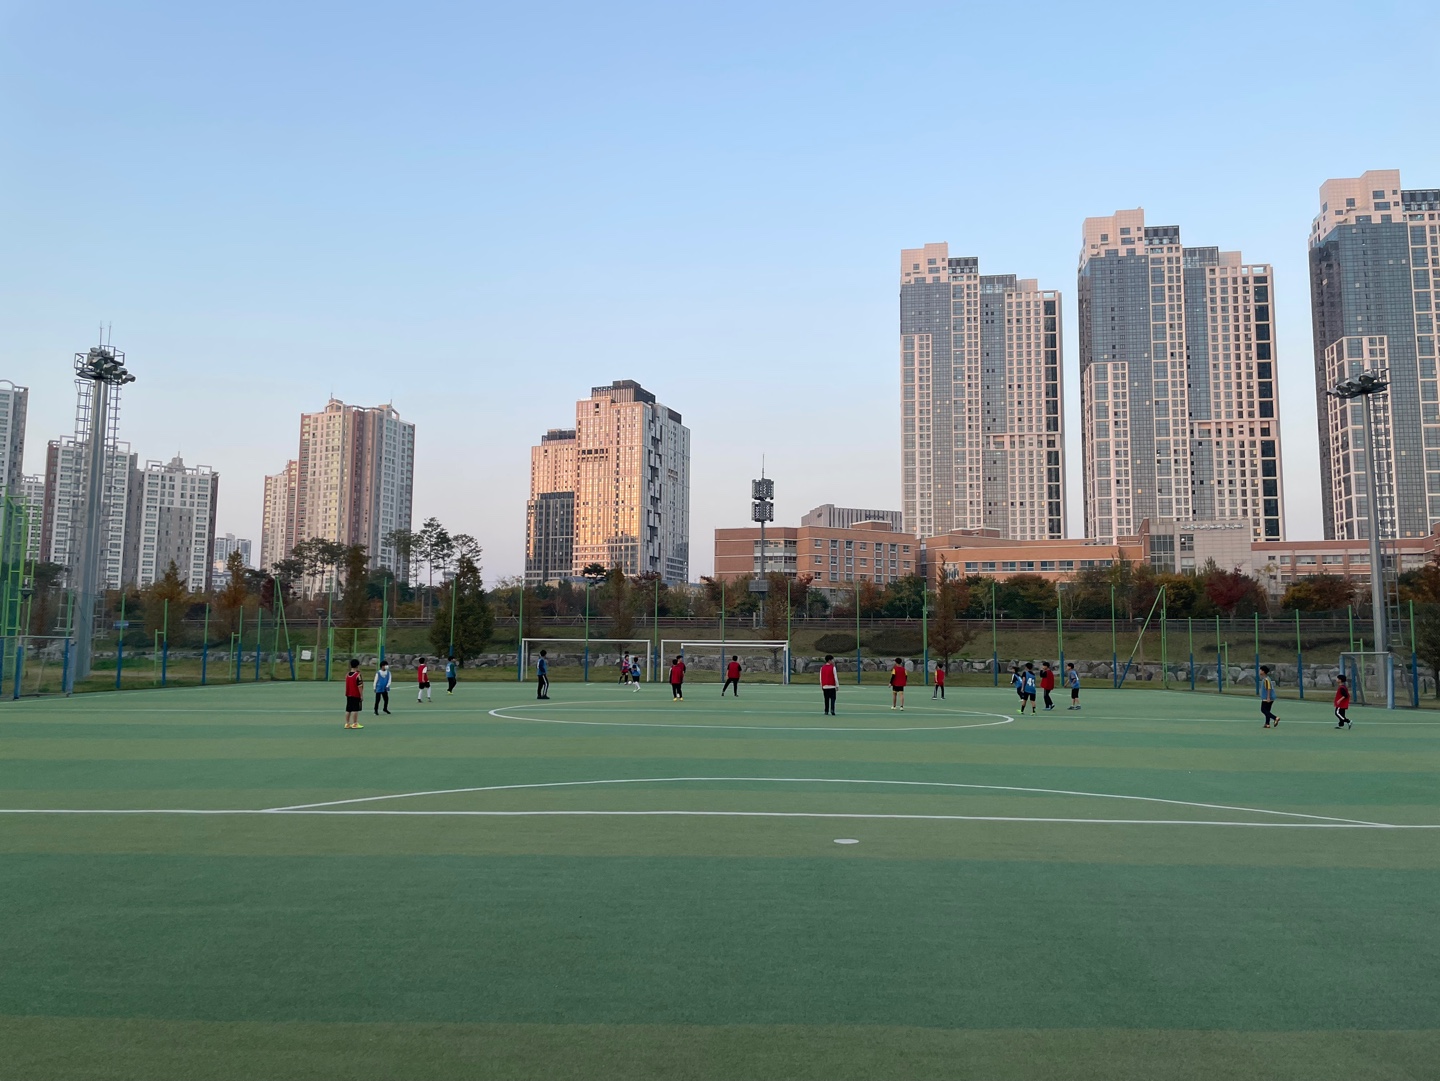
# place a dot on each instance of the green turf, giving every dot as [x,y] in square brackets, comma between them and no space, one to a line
[1235,923]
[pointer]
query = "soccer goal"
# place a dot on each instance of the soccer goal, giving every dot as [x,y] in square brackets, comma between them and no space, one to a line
[598,658]
[1371,677]
[760,661]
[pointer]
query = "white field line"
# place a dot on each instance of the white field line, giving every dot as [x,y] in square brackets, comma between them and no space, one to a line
[827,780]
[501,714]
[1337,825]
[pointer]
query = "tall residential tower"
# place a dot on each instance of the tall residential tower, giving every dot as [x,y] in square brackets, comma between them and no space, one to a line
[981,428]
[1374,298]
[1178,382]
[622,479]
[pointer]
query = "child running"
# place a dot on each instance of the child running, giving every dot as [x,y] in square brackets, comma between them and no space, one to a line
[1018,682]
[452,673]
[732,676]
[382,687]
[352,696]
[939,691]
[1342,702]
[1047,684]
[422,681]
[898,679]
[1072,680]
[1027,688]
[677,680]
[828,684]
[1267,698]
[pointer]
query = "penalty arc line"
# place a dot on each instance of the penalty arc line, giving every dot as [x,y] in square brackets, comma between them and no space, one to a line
[500,714]
[1340,825]
[826,780]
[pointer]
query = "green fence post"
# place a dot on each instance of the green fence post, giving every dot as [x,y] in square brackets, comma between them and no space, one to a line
[1114,650]
[1299,657]
[120,643]
[1219,671]
[1257,654]
[994,640]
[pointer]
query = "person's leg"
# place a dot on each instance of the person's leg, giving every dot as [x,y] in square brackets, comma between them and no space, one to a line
[451,680]
[1048,703]
[1265,712]
[386,695]
[902,699]
[942,690]
[377,703]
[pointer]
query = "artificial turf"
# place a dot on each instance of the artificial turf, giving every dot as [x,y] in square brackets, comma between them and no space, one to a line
[1248,918]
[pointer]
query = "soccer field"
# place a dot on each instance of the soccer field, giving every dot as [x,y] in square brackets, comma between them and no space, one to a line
[223,882]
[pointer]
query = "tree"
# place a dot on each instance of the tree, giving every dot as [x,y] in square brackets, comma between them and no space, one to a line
[1026,596]
[904,597]
[1230,591]
[403,542]
[594,573]
[231,600]
[1422,585]
[168,587]
[1318,593]
[474,620]
[356,602]
[949,636]
[618,603]
[785,596]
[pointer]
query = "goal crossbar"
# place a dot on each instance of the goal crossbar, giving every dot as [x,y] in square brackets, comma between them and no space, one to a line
[585,646]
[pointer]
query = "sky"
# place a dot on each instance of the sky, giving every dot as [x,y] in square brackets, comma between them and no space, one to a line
[477,212]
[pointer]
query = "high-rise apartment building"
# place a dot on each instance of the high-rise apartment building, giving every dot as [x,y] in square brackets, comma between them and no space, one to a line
[227,543]
[63,513]
[1374,302]
[32,491]
[629,463]
[277,521]
[550,513]
[1178,384]
[352,483]
[982,432]
[13,403]
[177,522]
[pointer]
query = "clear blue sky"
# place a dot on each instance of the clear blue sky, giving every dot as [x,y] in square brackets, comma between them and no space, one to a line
[479,211]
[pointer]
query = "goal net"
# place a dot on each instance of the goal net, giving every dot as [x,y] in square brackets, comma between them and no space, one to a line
[706,661]
[595,661]
[1371,677]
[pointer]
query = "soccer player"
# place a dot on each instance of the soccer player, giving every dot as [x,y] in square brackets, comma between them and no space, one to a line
[382,687]
[732,676]
[1072,680]
[1018,682]
[352,696]
[625,668]
[1027,688]
[1047,684]
[635,673]
[898,679]
[542,677]
[1342,703]
[452,673]
[1267,698]
[939,691]
[829,684]
[422,681]
[677,680]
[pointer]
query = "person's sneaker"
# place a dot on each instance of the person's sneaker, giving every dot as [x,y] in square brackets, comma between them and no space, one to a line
[1276,722]
[359,726]
[1339,726]
[894,707]
[1266,724]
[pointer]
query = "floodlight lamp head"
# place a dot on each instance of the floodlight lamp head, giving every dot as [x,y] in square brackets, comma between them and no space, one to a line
[103,364]
[762,489]
[762,511]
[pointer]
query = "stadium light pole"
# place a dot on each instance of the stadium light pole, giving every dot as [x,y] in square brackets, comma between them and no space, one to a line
[103,366]
[1362,388]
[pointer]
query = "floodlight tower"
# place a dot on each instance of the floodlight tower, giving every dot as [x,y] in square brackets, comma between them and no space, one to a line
[762,510]
[99,374]
[1364,387]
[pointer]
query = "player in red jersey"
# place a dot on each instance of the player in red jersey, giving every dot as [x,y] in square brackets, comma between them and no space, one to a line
[898,679]
[677,680]
[732,676]
[829,684]
[353,696]
[1342,703]
[1047,684]
[422,681]
[939,691]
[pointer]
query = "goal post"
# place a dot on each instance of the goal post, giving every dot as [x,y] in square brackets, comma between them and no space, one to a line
[586,653]
[763,660]
[1371,677]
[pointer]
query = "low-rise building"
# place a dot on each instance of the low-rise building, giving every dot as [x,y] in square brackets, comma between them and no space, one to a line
[1278,564]
[835,557]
